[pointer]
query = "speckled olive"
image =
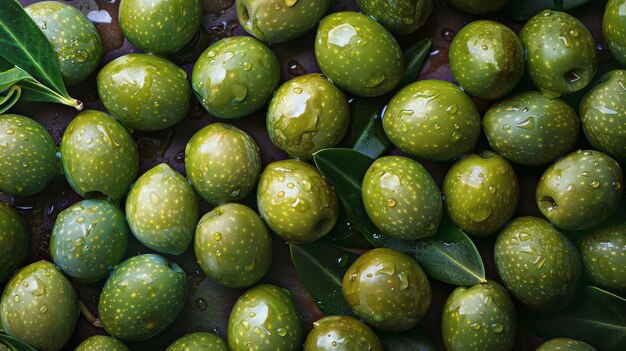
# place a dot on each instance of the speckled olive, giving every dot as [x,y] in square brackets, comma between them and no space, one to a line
[101,343]
[478,6]
[74,38]
[358,54]
[13,241]
[487,59]
[479,318]
[341,333]
[537,264]
[531,129]
[481,193]
[27,156]
[296,202]
[401,198]
[306,114]
[88,239]
[387,289]
[235,77]
[562,56]
[39,306]
[614,28]
[233,246]
[580,190]
[99,155]
[200,341]
[222,162]
[160,26]
[565,344]
[142,297]
[603,255]
[265,318]
[603,113]
[278,21]
[144,91]
[432,119]
[401,17]
[162,210]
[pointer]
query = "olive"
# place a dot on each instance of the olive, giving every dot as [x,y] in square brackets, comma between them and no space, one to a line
[200,341]
[614,28]
[13,241]
[603,255]
[101,343]
[565,344]
[341,333]
[401,17]
[478,6]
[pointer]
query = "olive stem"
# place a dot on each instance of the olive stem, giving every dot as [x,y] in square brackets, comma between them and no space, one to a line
[88,315]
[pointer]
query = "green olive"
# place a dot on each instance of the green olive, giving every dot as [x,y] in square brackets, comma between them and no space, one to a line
[603,255]
[478,6]
[101,343]
[341,333]
[614,28]
[13,241]
[401,17]
[565,344]
[200,341]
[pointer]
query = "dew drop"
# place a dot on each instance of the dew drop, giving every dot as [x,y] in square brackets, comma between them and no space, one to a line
[585,174]
[617,185]
[404,113]
[256,330]
[10,131]
[437,126]
[16,299]
[281,193]
[528,123]
[239,91]
[252,314]
[573,33]
[497,327]
[297,90]
[201,304]
[235,192]
[281,331]
[404,281]
[217,236]
[452,109]
[595,184]
[244,323]
[488,300]
[404,128]
[539,261]
[290,185]
[506,127]
[492,189]
[81,219]
[479,213]
[375,79]
[391,203]
[80,241]
[247,66]
[455,137]
[484,47]
[501,170]
[524,236]
[570,187]
[43,308]
[475,326]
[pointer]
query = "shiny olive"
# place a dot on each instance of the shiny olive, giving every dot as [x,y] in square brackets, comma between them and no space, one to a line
[306,114]
[358,54]
[531,129]
[537,264]
[478,6]
[614,28]
[200,341]
[341,333]
[603,255]
[223,163]
[401,198]
[580,190]
[296,202]
[401,17]
[101,343]
[565,344]
[13,241]
[387,289]
[432,119]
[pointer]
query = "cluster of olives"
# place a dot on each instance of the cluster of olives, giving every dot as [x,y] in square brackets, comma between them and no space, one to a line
[537,261]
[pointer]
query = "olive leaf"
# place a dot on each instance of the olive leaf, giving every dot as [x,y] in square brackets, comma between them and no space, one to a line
[25,47]
[413,340]
[344,234]
[11,97]
[449,255]
[14,344]
[522,10]
[414,57]
[321,267]
[594,316]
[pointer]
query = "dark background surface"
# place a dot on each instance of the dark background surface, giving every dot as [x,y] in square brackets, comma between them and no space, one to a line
[209,304]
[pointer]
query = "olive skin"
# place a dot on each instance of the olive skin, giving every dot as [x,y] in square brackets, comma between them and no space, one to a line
[39,306]
[432,119]
[266,317]
[162,210]
[614,29]
[603,255]
[233,246]
[101,343]
[142,297]
[88,239]
[200,341]
[580,190]
[480,318]
[28,160]
[73,37]
[401,198]
[387,289]
[358,54]
[562,56]
[13,241]
[306,114]
[341,333]
[478,6]
[235,77]
[400,17]
[99,155]
[603,115]
[538,265]
[160,26]
[223,163]
[279,21]
[531,129]
[296,202]
[481,193]
[144,91]
[487,59]
[565,344]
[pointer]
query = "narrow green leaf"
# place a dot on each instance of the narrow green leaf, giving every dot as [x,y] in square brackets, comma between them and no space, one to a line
[12,76]
[321,267]
[367,126]
[413,340]
[7,101]
[522,10]
[450,256]
[15,344]
[414,57]
[344,234]
[594,316]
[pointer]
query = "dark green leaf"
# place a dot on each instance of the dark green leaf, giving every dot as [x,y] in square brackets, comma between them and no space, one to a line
[414,57]
[594,316]
[321,267]
[12,76]
[522,10]
[11,97]
[414,340]
[344,234]
[450,256]
[369,138]
[15,344]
